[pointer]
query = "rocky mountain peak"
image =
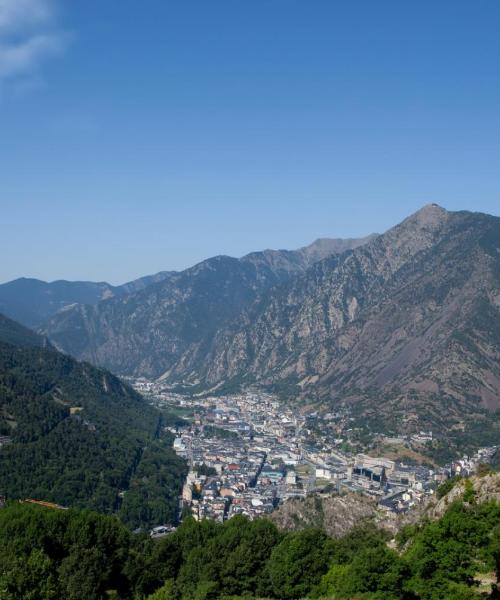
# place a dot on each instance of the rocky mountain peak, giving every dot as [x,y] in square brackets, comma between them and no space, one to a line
[416,233]
[429,217]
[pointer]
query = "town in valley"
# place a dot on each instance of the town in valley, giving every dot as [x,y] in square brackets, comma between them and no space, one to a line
[248,453]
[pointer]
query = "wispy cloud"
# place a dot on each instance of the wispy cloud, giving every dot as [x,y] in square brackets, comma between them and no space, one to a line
[29,34]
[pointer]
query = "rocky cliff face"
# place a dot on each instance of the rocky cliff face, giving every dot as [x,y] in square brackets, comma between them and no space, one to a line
[485,488]
[339,514]
[154,330]
[408,325]
[336,515]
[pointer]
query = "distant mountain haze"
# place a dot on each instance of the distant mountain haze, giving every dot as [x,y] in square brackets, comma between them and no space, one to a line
[32,301]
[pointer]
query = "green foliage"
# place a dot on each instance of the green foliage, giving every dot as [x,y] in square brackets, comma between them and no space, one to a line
[153,489]
[362,563]
[166,592]
[79,555]
[469,493]
[30,577]
[18,335]
[452,550]
[232,556]
[56,554]
[446,487]
[211,431]
[87,456]
[405,534]
[298,562]
[206,470]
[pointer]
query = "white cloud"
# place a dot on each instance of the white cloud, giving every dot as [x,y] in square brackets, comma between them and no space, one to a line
[29,34]
[17,14]
[23,56]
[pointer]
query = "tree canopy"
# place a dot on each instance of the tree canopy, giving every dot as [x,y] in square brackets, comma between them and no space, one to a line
[80,555]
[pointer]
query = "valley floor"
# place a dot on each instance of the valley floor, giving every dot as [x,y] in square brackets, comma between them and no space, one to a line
[248,454]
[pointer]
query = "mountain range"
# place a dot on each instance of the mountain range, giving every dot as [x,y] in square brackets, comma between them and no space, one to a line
[32,301]
[150,331]
[405,328]
[402,327]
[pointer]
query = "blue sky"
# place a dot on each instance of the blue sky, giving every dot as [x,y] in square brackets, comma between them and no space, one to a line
[141,136]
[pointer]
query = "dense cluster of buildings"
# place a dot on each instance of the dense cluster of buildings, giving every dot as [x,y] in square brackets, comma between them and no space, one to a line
[240,451]
[247,452]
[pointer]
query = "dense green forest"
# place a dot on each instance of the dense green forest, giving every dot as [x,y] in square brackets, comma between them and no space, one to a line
[79,436]
[18,335]
[50,554]
[152,495]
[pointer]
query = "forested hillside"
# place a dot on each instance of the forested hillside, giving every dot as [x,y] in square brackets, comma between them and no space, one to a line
[18,335]
[77,435]
[50,554]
